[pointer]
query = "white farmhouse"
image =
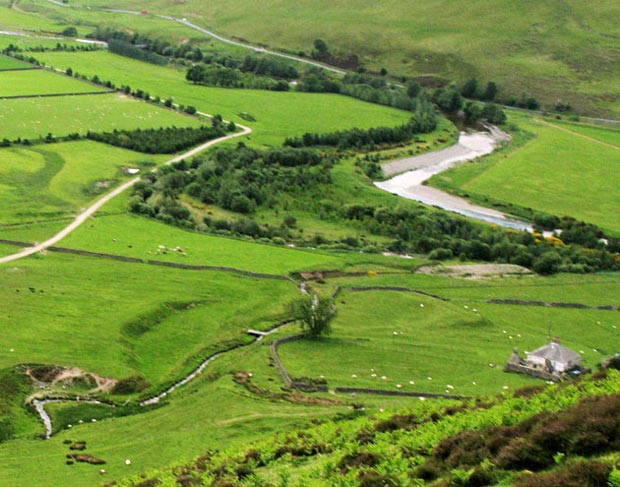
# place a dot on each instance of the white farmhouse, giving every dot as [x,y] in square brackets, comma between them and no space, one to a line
[553,357]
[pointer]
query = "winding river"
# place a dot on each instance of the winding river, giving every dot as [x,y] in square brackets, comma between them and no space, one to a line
[411,173]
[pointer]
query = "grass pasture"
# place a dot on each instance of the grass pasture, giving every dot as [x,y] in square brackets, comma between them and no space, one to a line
[137,236]
[405,337]
[55,311]
[8,63]
[28,82]
[408,337]
[591,290]
[50,181]
[33,40]
[278,114]
[13,19]
[34,118]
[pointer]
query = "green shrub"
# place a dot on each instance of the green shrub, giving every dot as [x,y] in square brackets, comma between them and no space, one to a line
[131,385]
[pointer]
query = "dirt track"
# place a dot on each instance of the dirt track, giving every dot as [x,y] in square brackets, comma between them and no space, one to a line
[88,212]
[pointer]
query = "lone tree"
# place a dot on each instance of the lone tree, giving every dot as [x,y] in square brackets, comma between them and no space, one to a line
[320,49]
[314,314]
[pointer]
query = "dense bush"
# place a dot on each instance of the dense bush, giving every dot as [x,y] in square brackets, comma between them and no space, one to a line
[239,180]
[131,385]
[147,44]
[589,428]
[580,474]
[225,77]
[419,230]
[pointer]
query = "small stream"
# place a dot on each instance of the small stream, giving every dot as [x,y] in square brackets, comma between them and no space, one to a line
[39,404]
[411,173]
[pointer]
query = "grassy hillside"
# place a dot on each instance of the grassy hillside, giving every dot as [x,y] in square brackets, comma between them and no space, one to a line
[213,414]
[168,295]
[55,311]
[559,51]
[7,63]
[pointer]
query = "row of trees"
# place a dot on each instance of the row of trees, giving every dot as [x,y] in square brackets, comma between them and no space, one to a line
[491,92]
[158,141]
[137,93]
[12,48]
[123,48]
[421,122]
[260,66]
[146,43]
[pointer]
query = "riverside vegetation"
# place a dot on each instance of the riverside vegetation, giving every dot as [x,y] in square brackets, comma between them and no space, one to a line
[179,268]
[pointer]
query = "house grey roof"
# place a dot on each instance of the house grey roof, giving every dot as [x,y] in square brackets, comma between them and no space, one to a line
[556,353]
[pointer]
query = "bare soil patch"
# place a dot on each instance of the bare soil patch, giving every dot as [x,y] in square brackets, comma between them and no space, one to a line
[475,271]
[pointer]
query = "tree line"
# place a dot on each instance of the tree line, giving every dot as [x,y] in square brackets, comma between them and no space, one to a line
[421,122]
[158,141]
[146,43]
[446,236]
[127,49]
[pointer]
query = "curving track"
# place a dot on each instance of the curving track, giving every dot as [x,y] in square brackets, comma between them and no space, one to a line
[88,212]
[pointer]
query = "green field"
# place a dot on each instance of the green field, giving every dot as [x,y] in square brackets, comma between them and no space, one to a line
[549,172]
[119,319]
[609,135]
[560,51]
[408,337]
[55,311]
[41,82]
[140,237]
[211,415]
[33,40]
[7,63]
[592,290]
[55,180]
[14,19]
[34,118]
[59,315]
[278,115]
